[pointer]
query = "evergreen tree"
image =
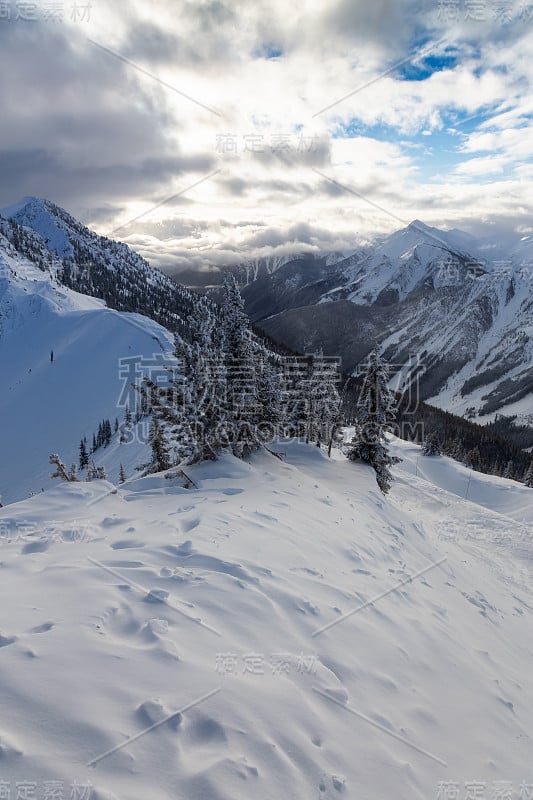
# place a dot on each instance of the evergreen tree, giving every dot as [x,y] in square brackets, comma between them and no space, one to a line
[240,360]
[327,402]
[320,406]
[528,477]
[269,416]
[430,446]
[508,472]
[96,473]
[224,390]
[84,456]
[99,436]
[375,413]
[122,475]
[295,406]
[202,427]
[473,458]
[457,451]
[160,453]
[187,408]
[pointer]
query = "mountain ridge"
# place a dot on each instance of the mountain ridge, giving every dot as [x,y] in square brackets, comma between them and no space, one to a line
[419,295]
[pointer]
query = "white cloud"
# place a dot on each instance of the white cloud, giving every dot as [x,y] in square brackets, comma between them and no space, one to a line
[103,138]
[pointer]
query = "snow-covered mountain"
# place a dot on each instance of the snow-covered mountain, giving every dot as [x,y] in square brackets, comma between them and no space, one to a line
[255,268]
[459,308]
[416,292]
[94,265]
[48,405]
[280,631]
[65,290]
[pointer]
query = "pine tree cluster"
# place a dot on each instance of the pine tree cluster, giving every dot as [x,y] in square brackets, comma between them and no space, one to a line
[480,447]
[230,391]
[100,439]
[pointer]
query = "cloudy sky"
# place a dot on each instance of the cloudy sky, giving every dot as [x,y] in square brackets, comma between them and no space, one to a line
[206,132]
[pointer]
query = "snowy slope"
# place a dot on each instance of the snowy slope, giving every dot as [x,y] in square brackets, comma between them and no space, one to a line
[94,265]
[47,407]
[428,682]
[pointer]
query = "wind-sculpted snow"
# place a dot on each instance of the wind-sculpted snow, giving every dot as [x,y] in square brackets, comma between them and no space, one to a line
[281,631]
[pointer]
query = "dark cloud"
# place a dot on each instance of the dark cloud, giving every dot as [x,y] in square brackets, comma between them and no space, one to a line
[94,134]
[38,172]
[201,35]
[79,127]
[390,24]
[146,40]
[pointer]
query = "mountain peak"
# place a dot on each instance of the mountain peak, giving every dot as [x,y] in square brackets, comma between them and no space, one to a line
[420,226]
[9,211]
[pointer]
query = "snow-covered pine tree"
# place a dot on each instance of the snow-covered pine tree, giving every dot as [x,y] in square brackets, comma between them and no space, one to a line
[61,471]
[95,473]
[223,391]
[160,452]
[240,361]
[336,434]
[327,401]
[269,412]
[122,475]
[430,445]
[107,432]
[508,471]
[320,399]
[84,456]
[473,458]
[207,390]
[188,409]
[200,429]
[294,403]
[528,477]
[375,413]
[457,451]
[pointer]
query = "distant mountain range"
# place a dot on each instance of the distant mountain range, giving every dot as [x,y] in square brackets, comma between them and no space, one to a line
[453,314]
